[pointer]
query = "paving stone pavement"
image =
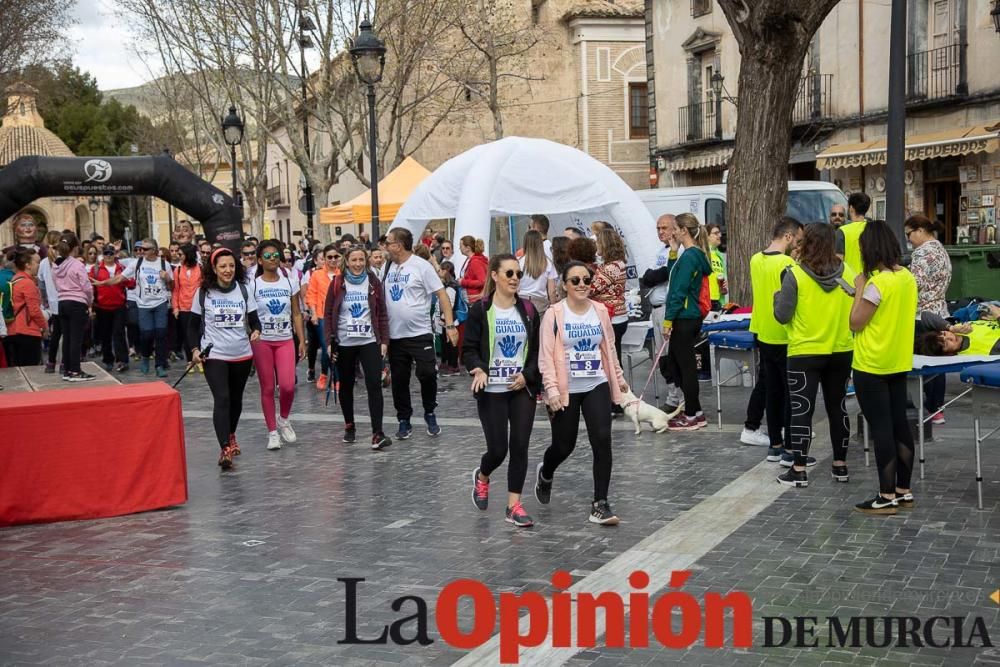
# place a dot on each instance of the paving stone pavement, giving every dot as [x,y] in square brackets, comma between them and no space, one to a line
[246,572]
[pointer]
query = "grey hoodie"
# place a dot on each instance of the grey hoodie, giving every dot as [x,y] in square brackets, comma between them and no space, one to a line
[787,297]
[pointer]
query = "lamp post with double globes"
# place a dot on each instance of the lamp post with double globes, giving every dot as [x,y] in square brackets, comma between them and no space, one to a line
[232,131]
[368,54]
[93,204]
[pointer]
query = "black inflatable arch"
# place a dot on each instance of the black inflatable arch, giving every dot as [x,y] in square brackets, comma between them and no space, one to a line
[29,178]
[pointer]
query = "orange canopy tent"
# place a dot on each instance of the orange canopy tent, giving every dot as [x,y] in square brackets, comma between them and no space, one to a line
[393,190]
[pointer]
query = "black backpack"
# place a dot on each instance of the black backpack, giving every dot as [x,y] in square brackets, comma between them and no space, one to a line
[138,265]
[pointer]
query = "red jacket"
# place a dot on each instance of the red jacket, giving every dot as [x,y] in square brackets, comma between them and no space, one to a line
[474,279]
[29,320]
[110,297]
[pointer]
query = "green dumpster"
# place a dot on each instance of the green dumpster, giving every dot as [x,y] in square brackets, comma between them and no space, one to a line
[975,271]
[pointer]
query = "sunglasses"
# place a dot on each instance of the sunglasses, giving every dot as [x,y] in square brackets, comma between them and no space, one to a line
[146,248]
[333,257]
[575,280]
[836,215]
[249,254]
[511,272]
[446,247]
[270,255]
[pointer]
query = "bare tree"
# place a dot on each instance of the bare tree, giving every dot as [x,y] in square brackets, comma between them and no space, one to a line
[32,32]
[773,36]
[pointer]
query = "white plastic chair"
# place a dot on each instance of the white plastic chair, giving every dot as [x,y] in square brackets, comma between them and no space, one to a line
[637,342]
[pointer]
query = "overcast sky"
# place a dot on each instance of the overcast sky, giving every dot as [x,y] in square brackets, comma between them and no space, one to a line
[102,46]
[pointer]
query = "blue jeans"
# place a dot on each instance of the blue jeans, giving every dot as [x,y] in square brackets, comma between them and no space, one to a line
[324,351]
[153,325]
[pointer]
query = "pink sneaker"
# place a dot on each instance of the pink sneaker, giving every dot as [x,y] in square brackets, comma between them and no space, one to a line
[683,423]
[480,491]
[938,418]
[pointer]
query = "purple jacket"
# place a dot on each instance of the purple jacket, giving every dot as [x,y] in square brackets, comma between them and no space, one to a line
[376,304]
[72,282]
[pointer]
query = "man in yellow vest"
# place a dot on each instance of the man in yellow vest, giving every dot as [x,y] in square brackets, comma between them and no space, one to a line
[772,339]
[849,235]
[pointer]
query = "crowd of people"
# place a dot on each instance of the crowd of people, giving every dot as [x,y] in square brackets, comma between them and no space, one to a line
[833,305]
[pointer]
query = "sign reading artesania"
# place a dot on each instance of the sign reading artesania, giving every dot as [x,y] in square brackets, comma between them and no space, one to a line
[675,620]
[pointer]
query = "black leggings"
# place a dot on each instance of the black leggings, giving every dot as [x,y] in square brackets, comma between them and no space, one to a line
[806,374]
[55,338]
[23,350]
[496,412]
[619,330]
[371,364]
[110,328]
[183,322]
[313,343]
[565,425]
[681,362]
[73,318]
[774,367]
[883,402]
[227,380]
[449,353]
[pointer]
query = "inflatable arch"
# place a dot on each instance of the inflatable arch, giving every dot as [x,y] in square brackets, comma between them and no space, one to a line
[29,178]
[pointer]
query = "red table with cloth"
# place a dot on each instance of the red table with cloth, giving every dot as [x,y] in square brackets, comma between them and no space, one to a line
[90,452]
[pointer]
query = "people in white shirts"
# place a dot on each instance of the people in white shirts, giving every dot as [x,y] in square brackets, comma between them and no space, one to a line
[153,281]
[539,282]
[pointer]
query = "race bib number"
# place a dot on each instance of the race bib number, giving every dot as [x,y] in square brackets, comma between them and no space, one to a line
[584,364]
[502,370]
[228,317]
[358,329]
[277,325]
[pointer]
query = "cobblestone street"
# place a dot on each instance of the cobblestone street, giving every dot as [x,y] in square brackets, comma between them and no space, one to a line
[246,572]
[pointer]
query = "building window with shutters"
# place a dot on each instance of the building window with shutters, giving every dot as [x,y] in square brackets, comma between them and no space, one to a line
[638,110]
[701,7]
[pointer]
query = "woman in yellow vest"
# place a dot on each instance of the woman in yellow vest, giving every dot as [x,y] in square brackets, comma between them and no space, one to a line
[815,305]
[882,321]
[980,338]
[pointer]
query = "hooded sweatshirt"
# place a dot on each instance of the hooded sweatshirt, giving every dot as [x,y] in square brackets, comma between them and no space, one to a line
[816,309]
[686,275]
[72,281]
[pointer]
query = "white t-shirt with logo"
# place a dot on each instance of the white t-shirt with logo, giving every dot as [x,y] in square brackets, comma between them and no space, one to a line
[582,336]
[408,290]
[510,340]
[48,280]
[354,322]
[128,271]
[275,305]
[537,287]
[658,295]
[225,320]
[150,289]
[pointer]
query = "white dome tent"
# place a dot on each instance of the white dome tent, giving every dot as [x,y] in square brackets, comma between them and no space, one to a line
[520,176]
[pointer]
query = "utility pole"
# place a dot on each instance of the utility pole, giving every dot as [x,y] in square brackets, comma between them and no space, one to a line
[896,131]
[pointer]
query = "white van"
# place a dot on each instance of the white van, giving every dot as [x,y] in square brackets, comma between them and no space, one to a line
[808,201]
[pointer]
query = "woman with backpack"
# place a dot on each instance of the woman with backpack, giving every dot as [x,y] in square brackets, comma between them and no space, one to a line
[276,291]
[686,305]
[223,325]
[500,351]
[357,331]
[539,282]
[449,352]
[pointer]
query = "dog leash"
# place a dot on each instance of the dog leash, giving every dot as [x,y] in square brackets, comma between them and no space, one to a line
[652,370]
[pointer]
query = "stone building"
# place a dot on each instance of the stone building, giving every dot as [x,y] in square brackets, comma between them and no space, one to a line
[952,104]
[23,133]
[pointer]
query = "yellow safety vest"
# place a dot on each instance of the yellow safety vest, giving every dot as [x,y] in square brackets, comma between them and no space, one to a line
[885,345]
[765,278]
[982,338]
[822,320]
[718,273]
[852,245]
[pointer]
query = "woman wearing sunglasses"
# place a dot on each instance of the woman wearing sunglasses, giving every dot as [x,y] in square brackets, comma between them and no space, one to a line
[500,350]
[580,372]
[276,291]
[319,285]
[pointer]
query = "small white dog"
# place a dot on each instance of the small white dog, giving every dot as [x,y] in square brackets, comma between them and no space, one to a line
[641,412]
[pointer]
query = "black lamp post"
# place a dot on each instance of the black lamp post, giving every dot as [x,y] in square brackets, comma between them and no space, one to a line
[717,91]
[995,14]
[232,131]
[368,54]
[305,25]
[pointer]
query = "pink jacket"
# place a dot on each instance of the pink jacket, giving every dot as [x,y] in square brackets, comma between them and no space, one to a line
[552,354]
[72,281]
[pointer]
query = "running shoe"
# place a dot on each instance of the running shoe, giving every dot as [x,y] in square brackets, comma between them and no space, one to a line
[226,458]
[774,454]
[108,366]
[78,376]
[840,473]
[701,420]
[273,440]
[161,372]
[788,460]
[321,382]
[50,367]
[600,513]
[405,430]
[938,418]
[517,516]
[704,376]
[904,501]
[311,376]
[350,433]
[481,493]
[121,367]
[543,487]
[286,430]
[144,365]
[683,423]
[850,390]
[796,478]
[234,446]
[878,505]
[379,441]
[755,438]
[433,429]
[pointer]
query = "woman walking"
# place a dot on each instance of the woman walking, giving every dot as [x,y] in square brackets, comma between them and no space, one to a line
[539,282]
[110,311]
[882,315]
[318,262]
[815,303]
[25,331]
[931,268]
[449,353]
[319,285]
[501,353]
[472,276]
[224,317]
[609,282]
[75,297]
[357,331]
[683,315]
[580,373]
[187,279]
[275,354]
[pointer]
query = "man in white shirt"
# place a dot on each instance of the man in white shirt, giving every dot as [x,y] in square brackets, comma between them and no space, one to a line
[409,284]
[657,279]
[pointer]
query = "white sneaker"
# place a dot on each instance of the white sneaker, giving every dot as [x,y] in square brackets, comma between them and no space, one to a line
[758,438]
[273,440]
[287,433]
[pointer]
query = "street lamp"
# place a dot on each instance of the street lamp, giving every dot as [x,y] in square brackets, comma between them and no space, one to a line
[93,204]
[232,131]
[368,54]
[716,80]
[995,14]
[305,25]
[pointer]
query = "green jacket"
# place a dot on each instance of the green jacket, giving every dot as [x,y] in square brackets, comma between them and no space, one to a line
[686,275]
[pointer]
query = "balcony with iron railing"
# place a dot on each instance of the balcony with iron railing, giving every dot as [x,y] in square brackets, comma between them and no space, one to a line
[812,101]
[273,196]
[696,122]
[936,74]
